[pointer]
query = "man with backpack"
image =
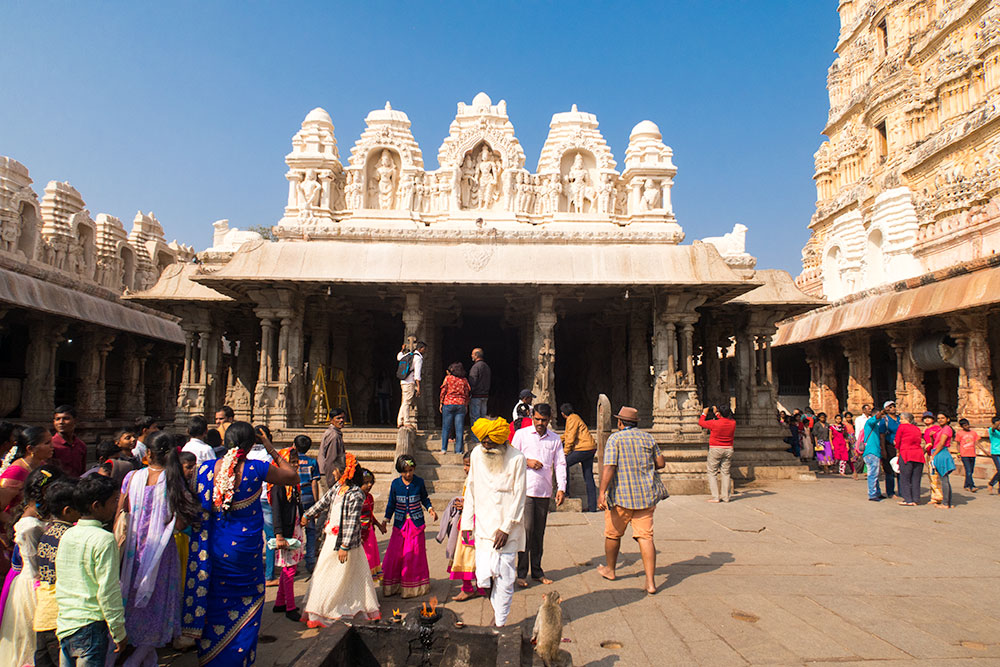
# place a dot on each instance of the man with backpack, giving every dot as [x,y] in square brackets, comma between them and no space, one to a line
[409,371]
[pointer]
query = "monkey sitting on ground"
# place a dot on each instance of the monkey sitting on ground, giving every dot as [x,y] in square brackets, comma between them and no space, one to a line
[547,633]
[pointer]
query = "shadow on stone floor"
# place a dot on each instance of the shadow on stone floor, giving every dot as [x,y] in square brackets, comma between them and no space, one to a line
[678,571]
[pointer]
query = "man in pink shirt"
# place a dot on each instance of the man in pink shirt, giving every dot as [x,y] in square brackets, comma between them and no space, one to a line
[543,452]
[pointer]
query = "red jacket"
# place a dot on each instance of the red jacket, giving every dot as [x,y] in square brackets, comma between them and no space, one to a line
[721,431]
[908,439]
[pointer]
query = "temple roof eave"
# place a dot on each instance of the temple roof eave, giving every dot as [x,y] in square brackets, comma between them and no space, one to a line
[697,267]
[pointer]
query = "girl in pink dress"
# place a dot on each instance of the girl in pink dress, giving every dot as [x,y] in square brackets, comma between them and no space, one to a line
[368,520]
[838,441]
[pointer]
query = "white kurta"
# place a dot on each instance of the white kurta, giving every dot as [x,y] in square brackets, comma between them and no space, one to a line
[496,500]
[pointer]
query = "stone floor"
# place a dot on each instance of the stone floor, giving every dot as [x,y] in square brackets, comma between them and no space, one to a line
[795,573]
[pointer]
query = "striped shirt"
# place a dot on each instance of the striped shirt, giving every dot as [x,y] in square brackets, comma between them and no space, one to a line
[633,453]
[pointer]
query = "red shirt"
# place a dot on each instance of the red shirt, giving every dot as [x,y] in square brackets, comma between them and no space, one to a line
[720,431]
[967,442]
[71,457]
[455,391]
[908,439]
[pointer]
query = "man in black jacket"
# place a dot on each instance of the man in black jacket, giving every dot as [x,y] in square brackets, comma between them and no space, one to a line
[479,382]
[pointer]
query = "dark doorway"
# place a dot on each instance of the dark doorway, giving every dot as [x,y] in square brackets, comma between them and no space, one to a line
[883,360]
[941,390]
[502,347]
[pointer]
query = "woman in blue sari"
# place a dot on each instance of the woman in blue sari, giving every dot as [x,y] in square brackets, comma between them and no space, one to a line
[227,561]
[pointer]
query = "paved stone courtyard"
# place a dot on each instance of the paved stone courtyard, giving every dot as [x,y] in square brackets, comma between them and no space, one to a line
[792,573]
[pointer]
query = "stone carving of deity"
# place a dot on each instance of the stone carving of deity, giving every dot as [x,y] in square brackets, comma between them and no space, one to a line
[507,188]
[550,194]
[577,187]
[310,192]
[650,196]
[386,177]
[59,253]
[545,370]
[406,193]
[418,192]
[338,185]
[9,233]
[467,184]
[520,193]
[489,175]
[77,258]
[446,186]
[604,194]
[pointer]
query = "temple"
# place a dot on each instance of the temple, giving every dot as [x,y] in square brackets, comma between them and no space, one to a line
[907,222]
[66,335]
[572,277]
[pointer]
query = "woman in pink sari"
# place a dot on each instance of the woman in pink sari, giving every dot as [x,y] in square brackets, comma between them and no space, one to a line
[838,441]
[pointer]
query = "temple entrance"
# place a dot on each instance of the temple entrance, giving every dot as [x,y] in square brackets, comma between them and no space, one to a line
[502,347]
[591,359]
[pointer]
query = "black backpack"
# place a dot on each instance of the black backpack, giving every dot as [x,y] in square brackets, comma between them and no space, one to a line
[405,366]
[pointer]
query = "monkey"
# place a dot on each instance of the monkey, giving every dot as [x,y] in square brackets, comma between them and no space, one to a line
[547,633]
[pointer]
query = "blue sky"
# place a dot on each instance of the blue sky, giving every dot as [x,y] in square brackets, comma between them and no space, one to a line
[188,108]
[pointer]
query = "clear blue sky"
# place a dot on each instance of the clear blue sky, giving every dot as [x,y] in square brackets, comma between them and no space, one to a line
[188,108]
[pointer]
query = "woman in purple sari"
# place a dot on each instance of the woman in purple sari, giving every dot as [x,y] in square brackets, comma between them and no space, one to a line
[159,503]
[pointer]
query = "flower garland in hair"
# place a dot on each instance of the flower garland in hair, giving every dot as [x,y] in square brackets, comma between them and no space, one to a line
[225,481]
[8,459]
[350,466]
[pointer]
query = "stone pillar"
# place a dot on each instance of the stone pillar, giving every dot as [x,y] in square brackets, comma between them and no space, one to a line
[744,368]
[265,397]
[91,399]
[640,394]
[544,347]
[687,335]
[675,397]
[822,380]
[133,398]
[39,387]
[294,375]
[975,389]
[240,392]
[413,321]
[857,349]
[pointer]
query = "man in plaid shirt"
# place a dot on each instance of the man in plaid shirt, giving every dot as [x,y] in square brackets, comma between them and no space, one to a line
[630,489]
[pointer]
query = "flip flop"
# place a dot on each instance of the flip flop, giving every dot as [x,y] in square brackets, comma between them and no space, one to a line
[522,583]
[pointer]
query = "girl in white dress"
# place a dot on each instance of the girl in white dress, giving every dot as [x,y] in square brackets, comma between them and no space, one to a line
[341,584]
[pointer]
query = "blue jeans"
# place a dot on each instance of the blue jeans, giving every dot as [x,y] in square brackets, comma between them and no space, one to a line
[310,545]
[873,463]
[87,647]
[969,463]
[268,534]
[452,421]
[586,461]
[477,409]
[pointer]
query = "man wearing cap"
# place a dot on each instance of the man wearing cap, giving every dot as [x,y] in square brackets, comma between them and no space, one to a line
[493,510]
[524,399]
[887,432]
[630,489]
[543,455]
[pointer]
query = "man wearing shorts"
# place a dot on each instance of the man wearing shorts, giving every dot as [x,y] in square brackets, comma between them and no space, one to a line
[629,493]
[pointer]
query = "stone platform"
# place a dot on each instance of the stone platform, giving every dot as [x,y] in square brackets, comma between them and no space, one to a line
[791,573]
[683,475]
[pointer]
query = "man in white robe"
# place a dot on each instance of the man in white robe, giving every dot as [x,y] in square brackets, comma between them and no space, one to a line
[494,500]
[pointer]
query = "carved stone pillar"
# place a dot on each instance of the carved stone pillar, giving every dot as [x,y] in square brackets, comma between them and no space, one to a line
[91,397]
[857,349]
[822,380]
[744,368]
[294,375]
[640,394]
[39,387]
[675,397]
[133,398]
[909,378]
[544,346]
[240,392]
[975,389]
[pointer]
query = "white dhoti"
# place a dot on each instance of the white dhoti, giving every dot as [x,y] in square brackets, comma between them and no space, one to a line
[497,571]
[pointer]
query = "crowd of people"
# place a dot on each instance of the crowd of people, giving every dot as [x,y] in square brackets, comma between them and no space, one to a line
[890,447]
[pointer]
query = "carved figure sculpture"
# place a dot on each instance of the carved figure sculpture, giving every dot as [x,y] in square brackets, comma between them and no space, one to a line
[650,196]
[545,370]
[338,185]
[386,176]
[551,195]
[467,184]
[520,193]
[8,234]
[604,193]
[488,177]
[730,243]
[77,259]
[406,194]
[577,185]
[418,192]
[310,191]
